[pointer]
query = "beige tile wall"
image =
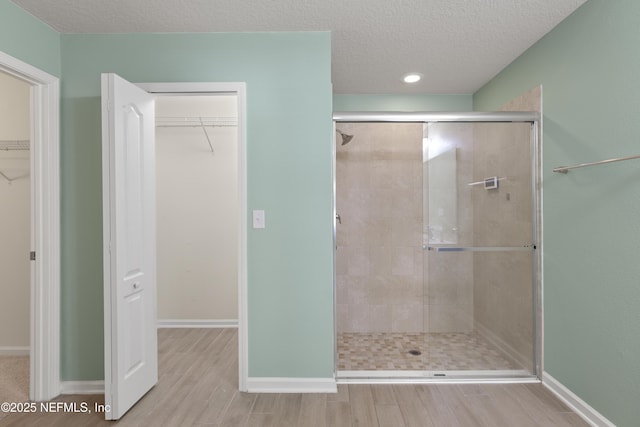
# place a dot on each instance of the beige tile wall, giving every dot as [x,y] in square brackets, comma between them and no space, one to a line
[385,281]
[379,260]
[503,294]
[449,276]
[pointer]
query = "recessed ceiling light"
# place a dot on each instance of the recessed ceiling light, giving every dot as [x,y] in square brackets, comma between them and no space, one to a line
[412,78]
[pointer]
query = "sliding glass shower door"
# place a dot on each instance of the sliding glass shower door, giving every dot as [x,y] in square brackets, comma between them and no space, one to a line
[436,259]
[479,242]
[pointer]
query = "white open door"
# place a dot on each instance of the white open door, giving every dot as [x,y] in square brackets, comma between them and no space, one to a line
[128,187]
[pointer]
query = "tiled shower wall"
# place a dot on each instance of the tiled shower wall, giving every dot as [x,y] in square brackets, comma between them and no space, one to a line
[379,257]
[449,275]
[385,282]
[503,294]
[502,280]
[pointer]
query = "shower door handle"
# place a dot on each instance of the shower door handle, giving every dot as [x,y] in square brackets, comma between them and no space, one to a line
[524,248]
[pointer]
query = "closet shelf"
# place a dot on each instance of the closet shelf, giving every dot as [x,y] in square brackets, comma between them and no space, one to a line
[164,121]
[197,122]
[14,145]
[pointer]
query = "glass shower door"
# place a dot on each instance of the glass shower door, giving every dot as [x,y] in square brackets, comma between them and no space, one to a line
[478,242]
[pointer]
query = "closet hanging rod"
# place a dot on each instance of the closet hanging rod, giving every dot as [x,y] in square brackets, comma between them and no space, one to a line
[196,121]
[196,126]
[14,144]
[565,169]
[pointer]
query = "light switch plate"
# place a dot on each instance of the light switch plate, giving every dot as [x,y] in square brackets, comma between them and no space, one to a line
[258,219]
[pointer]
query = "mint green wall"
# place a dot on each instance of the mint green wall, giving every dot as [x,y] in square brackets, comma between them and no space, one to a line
[289,148]
[28,39]
[589,68]
[402,103]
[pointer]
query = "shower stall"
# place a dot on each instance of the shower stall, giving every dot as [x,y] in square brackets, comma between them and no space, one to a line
[436,237]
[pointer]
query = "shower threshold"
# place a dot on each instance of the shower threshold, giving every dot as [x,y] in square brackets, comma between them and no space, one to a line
[451,377]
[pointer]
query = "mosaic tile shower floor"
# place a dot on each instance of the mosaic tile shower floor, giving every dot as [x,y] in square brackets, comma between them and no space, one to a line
[440,351]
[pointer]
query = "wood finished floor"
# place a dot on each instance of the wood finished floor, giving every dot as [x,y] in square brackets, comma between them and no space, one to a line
[198,386]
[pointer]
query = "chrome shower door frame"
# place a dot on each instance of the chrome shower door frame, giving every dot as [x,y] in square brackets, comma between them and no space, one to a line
[534,119]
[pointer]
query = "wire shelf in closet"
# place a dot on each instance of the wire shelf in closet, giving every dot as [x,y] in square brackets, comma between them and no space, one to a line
[196,121]
[14,145]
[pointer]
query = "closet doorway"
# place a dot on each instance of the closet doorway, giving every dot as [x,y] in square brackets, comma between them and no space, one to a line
[130,206]
[15,238]
[197,133]
[44,219]
[197,210]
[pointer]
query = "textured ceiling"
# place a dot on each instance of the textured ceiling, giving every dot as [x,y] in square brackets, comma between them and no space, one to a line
[458,45]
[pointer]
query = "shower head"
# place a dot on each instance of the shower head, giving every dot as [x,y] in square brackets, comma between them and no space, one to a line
[345,137]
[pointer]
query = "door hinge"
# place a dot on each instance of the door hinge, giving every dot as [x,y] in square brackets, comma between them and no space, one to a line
[32,256]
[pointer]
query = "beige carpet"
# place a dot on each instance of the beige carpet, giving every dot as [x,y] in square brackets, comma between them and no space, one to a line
[14,379]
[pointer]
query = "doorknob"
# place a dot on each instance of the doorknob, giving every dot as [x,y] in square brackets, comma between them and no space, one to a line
[338,218]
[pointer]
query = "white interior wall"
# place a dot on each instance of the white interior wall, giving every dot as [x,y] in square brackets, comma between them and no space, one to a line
[197,212]
[15,217]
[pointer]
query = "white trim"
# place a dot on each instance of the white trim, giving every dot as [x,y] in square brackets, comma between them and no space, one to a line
[540,237]
[239,88]
[199,88]
[45,226]
[243,304]
[292,385]
[197,323]
[574,402]
[82,387]
[14,351]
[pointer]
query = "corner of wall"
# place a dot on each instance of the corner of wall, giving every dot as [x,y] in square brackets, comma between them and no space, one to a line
[582,408]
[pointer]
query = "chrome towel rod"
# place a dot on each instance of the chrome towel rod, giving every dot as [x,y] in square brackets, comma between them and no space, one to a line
[565,169]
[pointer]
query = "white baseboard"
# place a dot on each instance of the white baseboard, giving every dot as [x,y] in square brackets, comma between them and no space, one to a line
[291,385]
[254,385]
[581,407]
[14,351]
[197,323]
[82,387]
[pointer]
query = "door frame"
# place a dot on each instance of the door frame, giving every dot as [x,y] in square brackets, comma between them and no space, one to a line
[239,89]
[44,348]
